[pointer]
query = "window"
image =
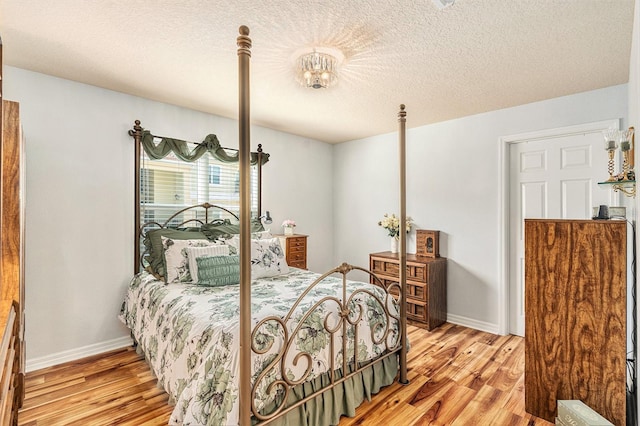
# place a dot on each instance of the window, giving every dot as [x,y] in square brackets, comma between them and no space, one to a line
[214,175]
[169,184]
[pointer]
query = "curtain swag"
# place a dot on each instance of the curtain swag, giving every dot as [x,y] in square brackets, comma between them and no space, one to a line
[210,144]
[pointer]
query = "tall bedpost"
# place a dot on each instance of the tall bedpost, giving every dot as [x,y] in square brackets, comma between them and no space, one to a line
[259,179]
[136,133]
[403,246]
[244,155]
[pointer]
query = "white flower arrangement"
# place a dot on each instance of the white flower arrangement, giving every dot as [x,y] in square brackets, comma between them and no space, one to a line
[391,223]
[288,223]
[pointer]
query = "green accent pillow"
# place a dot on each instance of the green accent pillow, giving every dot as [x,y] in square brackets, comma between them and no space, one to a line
[216,230]
[218,270]
[153,244]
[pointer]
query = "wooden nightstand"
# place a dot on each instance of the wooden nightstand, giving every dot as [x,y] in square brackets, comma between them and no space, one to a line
[426,284]
[295,248]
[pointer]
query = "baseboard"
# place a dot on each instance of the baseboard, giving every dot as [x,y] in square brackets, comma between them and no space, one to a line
[472,323]
[74,354]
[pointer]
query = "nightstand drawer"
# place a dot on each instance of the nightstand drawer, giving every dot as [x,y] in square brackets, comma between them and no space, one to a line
[298,264]
[299,255]
[297,249]
[300,242]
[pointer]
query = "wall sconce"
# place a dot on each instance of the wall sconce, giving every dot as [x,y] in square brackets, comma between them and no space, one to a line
[624,139]
[266,218]
[625,180]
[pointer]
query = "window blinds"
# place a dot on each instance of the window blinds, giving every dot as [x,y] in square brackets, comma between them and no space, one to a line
[168,185]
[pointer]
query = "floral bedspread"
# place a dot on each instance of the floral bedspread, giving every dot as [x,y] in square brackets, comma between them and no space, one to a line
[190,336]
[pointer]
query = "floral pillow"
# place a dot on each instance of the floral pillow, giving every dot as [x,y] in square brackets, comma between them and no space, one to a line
[234,242]
[176,260]
[267,258]
[194,253]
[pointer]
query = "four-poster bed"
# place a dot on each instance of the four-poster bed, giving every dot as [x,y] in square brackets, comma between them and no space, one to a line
[306,348]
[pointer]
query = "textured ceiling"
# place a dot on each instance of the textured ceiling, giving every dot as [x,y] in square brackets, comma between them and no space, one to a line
[472,57]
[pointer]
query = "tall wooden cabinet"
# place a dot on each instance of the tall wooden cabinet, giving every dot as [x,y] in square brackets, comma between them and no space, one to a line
[12,353]
[575,315]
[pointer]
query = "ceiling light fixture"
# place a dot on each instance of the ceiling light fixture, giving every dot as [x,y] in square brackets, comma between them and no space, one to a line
[318,69]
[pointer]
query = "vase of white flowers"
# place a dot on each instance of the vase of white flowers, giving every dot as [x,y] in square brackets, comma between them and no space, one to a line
[391,223]
[289,226]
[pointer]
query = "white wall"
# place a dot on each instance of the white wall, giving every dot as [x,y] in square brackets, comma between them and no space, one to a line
[452,186]
[79,237]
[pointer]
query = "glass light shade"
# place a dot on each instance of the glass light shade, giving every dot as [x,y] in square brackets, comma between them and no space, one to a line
[610,139]
[625,139]
[318,69]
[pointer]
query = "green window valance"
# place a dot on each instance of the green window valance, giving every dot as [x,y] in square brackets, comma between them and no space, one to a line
[180,148]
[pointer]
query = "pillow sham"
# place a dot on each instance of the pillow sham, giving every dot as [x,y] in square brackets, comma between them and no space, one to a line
[215,230]
[153,244]
[176,261]
[218,271]
[267,258]
[234,241]
[193,253]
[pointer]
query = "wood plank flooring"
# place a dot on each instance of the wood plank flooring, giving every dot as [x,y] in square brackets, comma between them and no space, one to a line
[458,376]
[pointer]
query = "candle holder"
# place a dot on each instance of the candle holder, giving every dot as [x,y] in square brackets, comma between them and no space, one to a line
[610,145]
[626,145]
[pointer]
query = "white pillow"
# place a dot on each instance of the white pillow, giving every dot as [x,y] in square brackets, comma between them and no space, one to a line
[195,252]
[176,262]
[267,256]
[262,235]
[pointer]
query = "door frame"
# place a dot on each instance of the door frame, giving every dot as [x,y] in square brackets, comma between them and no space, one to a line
[504,146]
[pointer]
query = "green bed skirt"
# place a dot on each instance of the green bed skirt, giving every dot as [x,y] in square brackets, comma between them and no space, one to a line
[341,400]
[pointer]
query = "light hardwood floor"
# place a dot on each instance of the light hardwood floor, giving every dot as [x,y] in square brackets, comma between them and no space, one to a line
[458,376]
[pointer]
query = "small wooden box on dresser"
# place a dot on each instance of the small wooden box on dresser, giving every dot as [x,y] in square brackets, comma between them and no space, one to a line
[295,249]
[426,284]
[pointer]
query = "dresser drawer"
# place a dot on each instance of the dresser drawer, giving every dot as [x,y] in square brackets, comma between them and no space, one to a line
[415,291]
[415,272]
[417,311]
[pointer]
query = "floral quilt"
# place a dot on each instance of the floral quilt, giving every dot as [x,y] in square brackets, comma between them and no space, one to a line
[190,336]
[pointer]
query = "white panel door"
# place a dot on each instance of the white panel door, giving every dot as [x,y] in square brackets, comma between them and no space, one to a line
[553,177]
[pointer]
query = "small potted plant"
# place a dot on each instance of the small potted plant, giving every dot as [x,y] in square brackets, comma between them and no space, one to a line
[289,226]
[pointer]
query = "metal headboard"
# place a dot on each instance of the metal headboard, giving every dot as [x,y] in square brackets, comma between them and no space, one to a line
[137,133]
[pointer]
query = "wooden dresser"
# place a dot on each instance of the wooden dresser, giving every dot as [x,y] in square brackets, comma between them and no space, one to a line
[12,354]
[295,248]
[426,284]
[575,315]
